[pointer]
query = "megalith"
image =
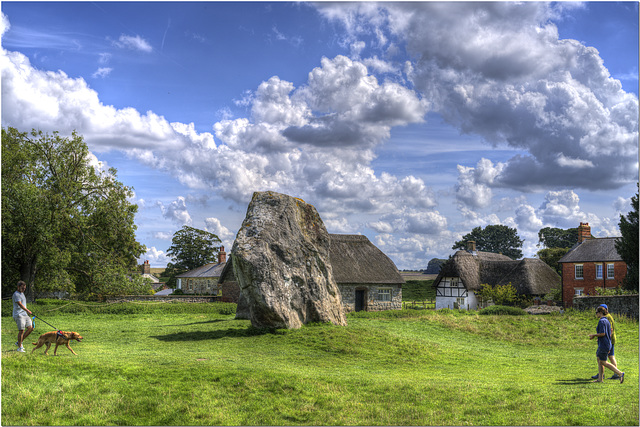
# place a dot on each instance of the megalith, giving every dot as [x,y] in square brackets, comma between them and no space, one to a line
[281,261]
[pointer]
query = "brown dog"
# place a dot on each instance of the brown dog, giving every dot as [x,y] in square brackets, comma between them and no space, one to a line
[58,337]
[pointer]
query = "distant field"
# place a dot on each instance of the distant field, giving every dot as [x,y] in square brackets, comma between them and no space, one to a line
[193,364]
[416,275]
[418,290]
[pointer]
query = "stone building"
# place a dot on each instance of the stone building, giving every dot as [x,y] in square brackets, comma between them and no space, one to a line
[203,280]
[591,263]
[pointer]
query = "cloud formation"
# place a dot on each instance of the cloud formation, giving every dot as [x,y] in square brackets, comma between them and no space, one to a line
[500,71]
[133,43]
[177,211]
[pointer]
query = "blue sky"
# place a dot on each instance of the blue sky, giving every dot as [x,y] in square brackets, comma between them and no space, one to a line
[410,123]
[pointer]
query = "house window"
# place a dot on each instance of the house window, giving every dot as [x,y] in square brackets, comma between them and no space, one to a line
[598,271]
[579,271]
[384,294]
[578,291]
[610,271]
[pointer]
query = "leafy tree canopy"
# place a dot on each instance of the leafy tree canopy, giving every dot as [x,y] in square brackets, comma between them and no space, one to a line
[494,238]
[627,246]
[65,225]
[190,249]
[434,265]
[551,256]
[551,237]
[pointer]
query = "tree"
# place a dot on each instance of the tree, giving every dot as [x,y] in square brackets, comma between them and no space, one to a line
[64,224]
[190,249]
[494,238]
[627,245]
[434,266]
[551,256]
[551,237]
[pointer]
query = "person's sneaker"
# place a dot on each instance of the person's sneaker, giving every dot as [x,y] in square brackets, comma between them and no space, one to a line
[595,377]
[21,350]
[622,378]
[17,345]
[615,377]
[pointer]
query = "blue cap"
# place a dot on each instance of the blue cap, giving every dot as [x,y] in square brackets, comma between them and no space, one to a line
[605,306]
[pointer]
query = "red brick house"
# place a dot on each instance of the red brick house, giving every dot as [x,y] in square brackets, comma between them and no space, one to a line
[592,263]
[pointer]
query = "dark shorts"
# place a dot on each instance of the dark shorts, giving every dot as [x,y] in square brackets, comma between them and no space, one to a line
[602,354]
[611,353]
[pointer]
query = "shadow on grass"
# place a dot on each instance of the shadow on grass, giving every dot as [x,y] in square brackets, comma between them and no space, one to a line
[574,381]
[217,334]
[193,323]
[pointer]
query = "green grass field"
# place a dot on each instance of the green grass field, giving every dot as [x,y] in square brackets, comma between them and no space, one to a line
[192,364]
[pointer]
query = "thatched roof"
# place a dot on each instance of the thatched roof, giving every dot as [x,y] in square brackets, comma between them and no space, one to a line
[355,260]
[213,269]
[529,275]
[594,250]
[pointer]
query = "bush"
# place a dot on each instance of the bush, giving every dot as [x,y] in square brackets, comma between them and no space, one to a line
[612,291]
[501,295]
[501,309]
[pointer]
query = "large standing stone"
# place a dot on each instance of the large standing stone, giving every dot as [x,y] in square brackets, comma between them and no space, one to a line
[281,261]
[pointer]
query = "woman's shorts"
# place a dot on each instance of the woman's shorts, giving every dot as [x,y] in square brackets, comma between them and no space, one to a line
[611,353]
[602,355]
[23,322]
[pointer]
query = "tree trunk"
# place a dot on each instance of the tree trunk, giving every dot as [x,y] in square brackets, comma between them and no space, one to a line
[28,276]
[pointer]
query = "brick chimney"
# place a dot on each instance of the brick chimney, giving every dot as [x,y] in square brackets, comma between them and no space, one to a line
[222,255]
[146,267]
[584,232]
[471,246]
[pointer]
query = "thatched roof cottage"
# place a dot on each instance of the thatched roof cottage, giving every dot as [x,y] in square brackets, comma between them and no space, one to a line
[467,270]
[367,278]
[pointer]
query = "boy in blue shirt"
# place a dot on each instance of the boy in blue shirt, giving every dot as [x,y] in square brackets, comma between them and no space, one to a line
[603,333]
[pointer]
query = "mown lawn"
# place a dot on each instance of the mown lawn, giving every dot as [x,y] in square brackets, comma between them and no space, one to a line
[189,364]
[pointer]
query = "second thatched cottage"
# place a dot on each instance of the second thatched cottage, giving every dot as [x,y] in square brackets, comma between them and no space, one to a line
[467,270]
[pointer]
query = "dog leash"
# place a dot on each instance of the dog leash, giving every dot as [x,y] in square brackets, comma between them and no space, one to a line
[34,316]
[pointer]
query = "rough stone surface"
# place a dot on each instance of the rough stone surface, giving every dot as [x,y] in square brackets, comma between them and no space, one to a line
[543,309]
[281,261]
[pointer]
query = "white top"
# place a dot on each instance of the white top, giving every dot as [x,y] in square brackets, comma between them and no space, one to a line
[17,310]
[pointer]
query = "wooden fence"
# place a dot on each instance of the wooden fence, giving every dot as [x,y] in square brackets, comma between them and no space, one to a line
[420,305]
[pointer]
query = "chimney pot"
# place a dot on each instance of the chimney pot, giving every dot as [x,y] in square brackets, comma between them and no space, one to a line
[471,246]
[584,232]
[222,255]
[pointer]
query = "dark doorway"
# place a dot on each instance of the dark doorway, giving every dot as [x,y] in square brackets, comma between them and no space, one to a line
[360,299]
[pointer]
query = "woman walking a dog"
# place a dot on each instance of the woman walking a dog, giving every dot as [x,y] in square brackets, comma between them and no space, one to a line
[21,315]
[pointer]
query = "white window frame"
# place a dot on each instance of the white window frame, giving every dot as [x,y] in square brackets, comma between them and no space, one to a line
[384,293]
[578,292]
[598,271]
[579,267]
[611,269]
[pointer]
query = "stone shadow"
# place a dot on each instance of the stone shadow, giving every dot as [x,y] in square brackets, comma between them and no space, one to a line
[216,334]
